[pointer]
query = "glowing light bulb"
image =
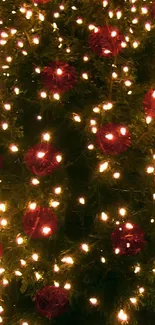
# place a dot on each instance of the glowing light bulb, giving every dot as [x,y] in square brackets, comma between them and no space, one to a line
[105,3]
[56,268]
[148,119]
[93,301]
[85,58]
[5,282]
[2,207]
[33,205]
[116,175]
[82,200]
[122,316]
[56,96]
[7,107]
[58,190]
[5,126]
[59,158]
[20,44]
[103,260]
[77,118]
[128,83]
[79,21]
[67,286]
[103,167]
[125,69]
[117,251]
[37,70]
[9,59]
[67,260]
[119,14]
[85,76]
[18,273]
[16,90]
[59,72]
[107,106]
[35,257]
[24,323]
[129,226]
[150,169]
[133,300]
[85,247]
[46,230]
[90,146]
[137,269]
[41,17]
[96,110]
[2,270]
[1,309]
[113,33]
[43,94]
[122,212]
[35,181]
[148,27]
[38,276]
[141,290]
[144,10]
[22,262]
[40,154]
[135,44]
[19,240]
[56,284]
[104,216]
[54,204]
[56,15]
[46,137]
[3,222]
[109,136]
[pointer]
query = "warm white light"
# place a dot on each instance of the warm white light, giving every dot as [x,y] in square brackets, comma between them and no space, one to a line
[67,286]
[5,282]
[24,323]
[46,136]
[59,158]
[128,83]
[105,3]
[150,169]
[43,94]
[93,301]
[38,276]
[13,148]
[1,309]
[3,222]
[109,136]
[7,107]
[122,316]
[125,69]
[82,200]
[5,126]
[35,257]
[122,212]
[116,175]
[85,247]
[46,230]
[68,260]
[141,290]
[19,240]
[56,96]
[123,131]
[148,27]
[90,146]
[133,300]
[35,181]
[144,10]
[137,269]
[37,70]
[2,207]
[56,268]
[103,260]
[33,205]
[117,251]
[22,262]
[135,44]
[18,273]
[107,106]
[58,190]
[56,15]
[2,270]
[77,118]
[104,216]
[103,167]
[40,154]
[56,284]
[118,14]
[85,76]
[59,72]
[79,21]
[85,58]
[54,204]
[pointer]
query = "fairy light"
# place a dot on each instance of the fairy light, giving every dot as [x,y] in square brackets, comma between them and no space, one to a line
[109,136]
[41,154]
[38,276]
[103,260]
[122,212]
[125,69]
[43,94]
[103,166]
[56,96]
[77,118]
[114,75]
[105,3]
[85,76]
[56,268]
[79,21]
[96,110]
[35,257]
[137,269]
[128,83]
[152,220]
[35,181]
[122,316]
[13,31]
[141,290]
[119,14]
[33,205]
[59,72]
[2,270]
[150,169]
[62,7]
[144,10]
[133,9]
[148,27]
[67,260]
[7,107]
[58,190]
[94,129]
[41,17]
[29,14]
[104,216]
[46,137]
[111,14]
[58,158]
[9,59]
[116,175]
[1,319]
[117,251]
[3,222]
[22,262]
[5,282]
[107,106]
[135,44]
[1,309]
[56,284]
[54,204]
[56,15]
[133,300]
[148,119]
[19,240]
[90,146]
[93,301]
[82,200]
[24,323]
[5,126]
[85,58]
[46,230]
[2,207]
[20,44]
[16,90]
[85,247]
[4,34]
[18,273]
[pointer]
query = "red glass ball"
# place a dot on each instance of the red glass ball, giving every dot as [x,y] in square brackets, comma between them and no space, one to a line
[106,41]
[59,77]
[51,301]
[149,103]
[113,138]
[40,223]
[41,159]
[128,239]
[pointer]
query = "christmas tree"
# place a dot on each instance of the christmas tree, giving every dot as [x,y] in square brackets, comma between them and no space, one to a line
[77,152]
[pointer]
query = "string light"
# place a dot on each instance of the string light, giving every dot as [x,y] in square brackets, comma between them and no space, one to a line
[122,212]
[85,247]
[103,166]
[93,301]
[68,260]
[104,216]
[122,316]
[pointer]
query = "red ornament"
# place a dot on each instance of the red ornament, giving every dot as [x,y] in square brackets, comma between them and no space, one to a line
[106,41]
[40,222]
[128,239]
[51,301]
[113,138]
[149,103]
[42,159]
[41,1]
[58,77]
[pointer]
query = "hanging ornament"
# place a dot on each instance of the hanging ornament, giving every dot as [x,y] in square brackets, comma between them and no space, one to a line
[128,239]
[113,138]
[42,159]
[40,223]
[149,103]
[51,301]
[58,77]
[106,41]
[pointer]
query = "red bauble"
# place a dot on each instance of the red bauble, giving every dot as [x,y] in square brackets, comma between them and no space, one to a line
[39,2]
[51,301]
[58,77]
[42,159]
[1,250]
[40,223]
[106,41]
[113,138]
[128,239]
[149,103]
